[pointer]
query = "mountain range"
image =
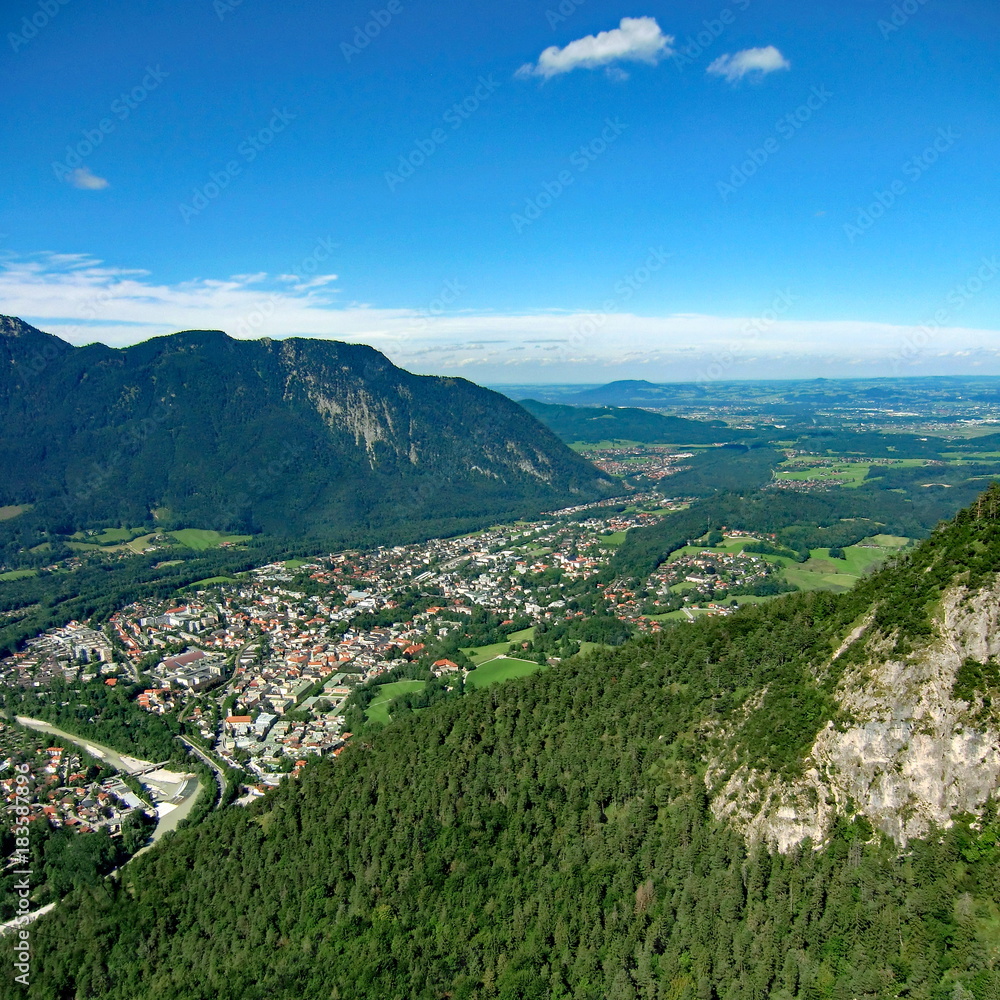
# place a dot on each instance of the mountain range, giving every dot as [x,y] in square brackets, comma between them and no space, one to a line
[293,437]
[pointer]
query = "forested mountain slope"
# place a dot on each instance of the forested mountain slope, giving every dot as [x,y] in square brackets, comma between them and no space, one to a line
[286,437]
[579,834]
[593,424]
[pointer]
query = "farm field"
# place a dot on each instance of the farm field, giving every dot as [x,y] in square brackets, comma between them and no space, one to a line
[850,474]
[109,536]
[603,445]
[614,539]
[139,540]
[200,539]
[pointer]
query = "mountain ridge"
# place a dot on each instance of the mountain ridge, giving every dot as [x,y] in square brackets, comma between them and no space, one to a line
[291,436]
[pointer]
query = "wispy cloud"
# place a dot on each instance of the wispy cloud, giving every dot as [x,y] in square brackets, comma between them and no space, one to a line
[83,179]
[636,39]
[84,300]
[300,284]
[750,61]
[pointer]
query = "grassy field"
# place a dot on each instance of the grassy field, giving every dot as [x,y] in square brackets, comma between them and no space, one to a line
[200,539]
[678,616]
[212,580]
[378,710]
[603,445]
[851,474]
[889,541]
[479,654]
[730,545]
[13,510]
[296,563]
[820,572]
[615,539]
[18,574]
[501,669]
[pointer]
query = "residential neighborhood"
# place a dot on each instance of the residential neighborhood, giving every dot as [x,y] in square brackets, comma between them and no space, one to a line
[261,667]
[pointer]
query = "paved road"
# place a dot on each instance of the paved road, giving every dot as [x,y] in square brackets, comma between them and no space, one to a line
[28,918]
[220,775]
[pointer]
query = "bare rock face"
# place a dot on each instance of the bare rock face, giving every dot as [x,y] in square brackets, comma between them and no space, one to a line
[904,752]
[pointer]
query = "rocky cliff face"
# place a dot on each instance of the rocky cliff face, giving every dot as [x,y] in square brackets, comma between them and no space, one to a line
[904,752]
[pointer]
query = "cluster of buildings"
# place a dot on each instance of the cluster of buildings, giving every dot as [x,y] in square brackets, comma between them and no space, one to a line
[654,461]
[265,664]
[145,629]
[72,652]
[270,747]
[711,571]
[62,790]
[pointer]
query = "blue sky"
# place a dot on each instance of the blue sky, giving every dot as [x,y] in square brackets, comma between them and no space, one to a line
[707,190]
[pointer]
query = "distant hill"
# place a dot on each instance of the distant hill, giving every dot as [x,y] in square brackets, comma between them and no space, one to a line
[286,437]
[627,392]
[592,424]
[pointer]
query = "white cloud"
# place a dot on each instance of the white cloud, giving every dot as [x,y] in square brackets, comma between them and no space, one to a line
[762,61]
[83,179]
[84,300]
[300,284]
[636,39]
